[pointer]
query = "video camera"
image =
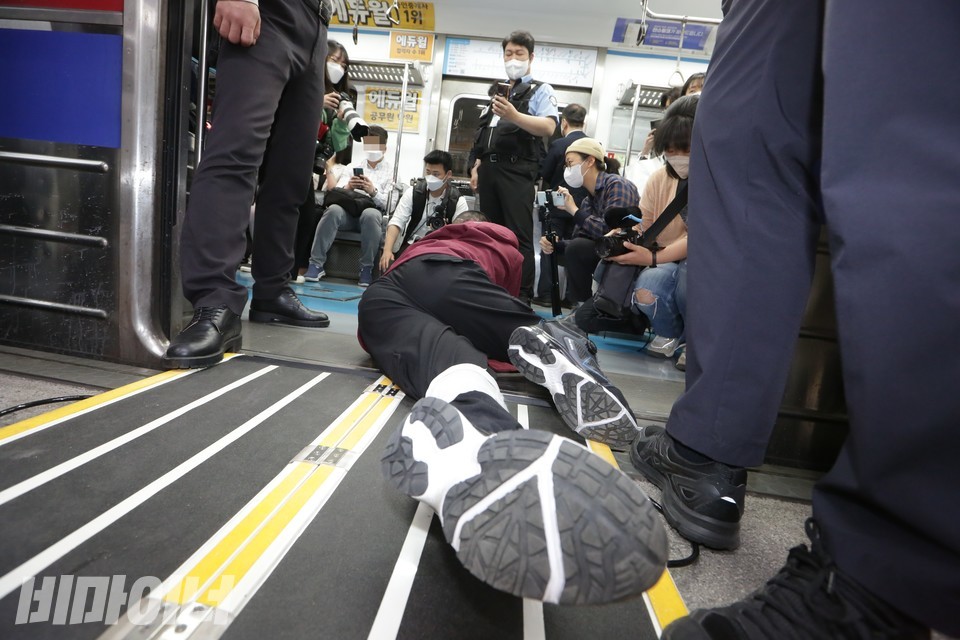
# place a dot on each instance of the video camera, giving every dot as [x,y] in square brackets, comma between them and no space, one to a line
[438,218]
[623,219]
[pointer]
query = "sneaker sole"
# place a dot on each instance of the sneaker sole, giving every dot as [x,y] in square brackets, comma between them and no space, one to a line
[528,512]
[317,279]
[197,362]
[267,317]
[693,526]
[584,404]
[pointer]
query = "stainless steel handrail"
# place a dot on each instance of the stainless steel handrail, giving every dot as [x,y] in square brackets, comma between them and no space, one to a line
[396,157]
[202,74]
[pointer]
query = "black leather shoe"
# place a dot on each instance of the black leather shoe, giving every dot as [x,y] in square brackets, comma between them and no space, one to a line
[286,308]
[212,332]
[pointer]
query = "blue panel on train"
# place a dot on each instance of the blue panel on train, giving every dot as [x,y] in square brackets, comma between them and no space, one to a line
[60,86]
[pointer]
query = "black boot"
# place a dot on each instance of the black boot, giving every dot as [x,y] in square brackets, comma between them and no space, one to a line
[286,308]
[212,332]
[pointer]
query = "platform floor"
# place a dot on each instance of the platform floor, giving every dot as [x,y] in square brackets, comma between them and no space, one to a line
[250,494]
[777,501]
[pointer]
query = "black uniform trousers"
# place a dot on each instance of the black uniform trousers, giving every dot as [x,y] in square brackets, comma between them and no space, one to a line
[581,259]
[433,312]
[776,147]
[267,109]
[506,197]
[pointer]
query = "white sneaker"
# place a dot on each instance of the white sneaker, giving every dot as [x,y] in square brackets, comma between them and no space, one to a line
[663,347]
[578,531]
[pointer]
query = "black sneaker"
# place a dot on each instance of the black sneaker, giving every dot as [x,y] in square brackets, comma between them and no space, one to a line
[580,531]
[809,599]
[703,501]
[561,358]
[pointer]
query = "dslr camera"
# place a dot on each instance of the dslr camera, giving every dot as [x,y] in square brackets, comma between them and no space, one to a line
[612,246]
[323,154]
[622,219]
[355,124]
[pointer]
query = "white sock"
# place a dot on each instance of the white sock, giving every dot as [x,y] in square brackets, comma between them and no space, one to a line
[461,378]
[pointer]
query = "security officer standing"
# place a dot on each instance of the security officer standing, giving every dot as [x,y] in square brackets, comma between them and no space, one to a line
[270,95]
[509,147]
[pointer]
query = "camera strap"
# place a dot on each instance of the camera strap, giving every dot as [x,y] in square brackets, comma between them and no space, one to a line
[679,202]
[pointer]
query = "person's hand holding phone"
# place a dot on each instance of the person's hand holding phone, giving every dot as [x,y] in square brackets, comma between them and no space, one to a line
[569,204]
[504,108]
[356,180]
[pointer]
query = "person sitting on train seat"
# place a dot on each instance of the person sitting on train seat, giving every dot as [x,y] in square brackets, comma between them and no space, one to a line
[446,306]
[276,125]
[334,144]
[587,166]
[371,177]
[660,292]
[509,145]
[430,204]
[572,120]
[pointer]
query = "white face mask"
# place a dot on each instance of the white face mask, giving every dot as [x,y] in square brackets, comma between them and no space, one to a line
[680,164]
[516,69]
[374,155]
[434,183]
[334,71]
[573,176]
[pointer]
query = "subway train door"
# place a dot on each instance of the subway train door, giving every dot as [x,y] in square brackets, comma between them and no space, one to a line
[93,165]
[461,102]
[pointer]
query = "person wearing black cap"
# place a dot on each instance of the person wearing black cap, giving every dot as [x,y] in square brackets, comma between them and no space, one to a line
[269,102]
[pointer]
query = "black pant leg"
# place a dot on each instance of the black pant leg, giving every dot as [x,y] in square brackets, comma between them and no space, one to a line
[213,235]
[753,226]
[506,197]
[887,508]
[307,220]
[427,315]
[581,260]
[288,171]
[409,344]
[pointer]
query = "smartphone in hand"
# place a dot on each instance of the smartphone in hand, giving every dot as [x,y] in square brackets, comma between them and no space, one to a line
[358,171]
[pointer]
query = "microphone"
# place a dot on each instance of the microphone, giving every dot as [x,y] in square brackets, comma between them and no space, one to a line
[622,217]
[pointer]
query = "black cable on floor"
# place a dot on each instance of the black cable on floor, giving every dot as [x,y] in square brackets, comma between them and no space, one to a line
[694,546]
[37,403]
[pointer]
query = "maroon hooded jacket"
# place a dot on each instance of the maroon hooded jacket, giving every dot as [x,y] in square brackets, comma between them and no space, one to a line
[492,246]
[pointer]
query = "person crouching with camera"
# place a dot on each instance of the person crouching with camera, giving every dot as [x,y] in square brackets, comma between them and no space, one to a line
[660,292]
[587,166]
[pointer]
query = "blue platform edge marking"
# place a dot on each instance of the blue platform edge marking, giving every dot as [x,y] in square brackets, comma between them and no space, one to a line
[61,86]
